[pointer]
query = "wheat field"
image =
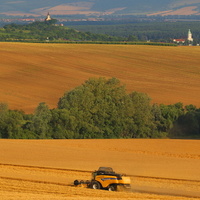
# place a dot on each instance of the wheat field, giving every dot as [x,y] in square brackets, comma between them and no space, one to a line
[34,73]
[46,169]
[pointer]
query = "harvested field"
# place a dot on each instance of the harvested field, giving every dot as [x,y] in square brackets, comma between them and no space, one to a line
[190,10]
[46,169]
[34,73]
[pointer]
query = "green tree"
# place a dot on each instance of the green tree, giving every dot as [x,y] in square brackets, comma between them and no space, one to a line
[132,38]
[99,108]
[188,124]
[40,121]
[160,131]
[142,117]
[190,107]
[170,113]
[63,124]
[3,120]
[10,122]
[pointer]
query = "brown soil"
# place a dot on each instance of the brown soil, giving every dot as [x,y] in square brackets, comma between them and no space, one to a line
[190,10]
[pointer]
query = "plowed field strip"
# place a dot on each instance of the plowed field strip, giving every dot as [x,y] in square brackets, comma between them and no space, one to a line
[85,171]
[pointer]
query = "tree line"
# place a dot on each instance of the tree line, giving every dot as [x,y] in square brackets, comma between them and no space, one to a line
[101,108]
[143,31]
[154,29]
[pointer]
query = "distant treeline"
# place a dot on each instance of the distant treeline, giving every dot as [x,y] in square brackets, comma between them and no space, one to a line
[130,33]
[49,32]
[100,42]
[101,108]
[143,31]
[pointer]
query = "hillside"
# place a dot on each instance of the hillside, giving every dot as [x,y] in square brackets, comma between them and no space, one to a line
[99,7]
[34,73]
[49,31]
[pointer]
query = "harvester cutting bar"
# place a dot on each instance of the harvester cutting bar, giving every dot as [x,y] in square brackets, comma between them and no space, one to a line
[82,183]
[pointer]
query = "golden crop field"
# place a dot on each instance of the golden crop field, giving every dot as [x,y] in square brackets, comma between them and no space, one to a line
[34,73]
[46,169]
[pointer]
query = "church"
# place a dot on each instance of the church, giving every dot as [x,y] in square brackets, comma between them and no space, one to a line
[183,41]
[190,39]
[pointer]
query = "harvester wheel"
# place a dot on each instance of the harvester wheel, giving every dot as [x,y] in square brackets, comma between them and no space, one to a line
[95,185]
[112,188]
[76,182]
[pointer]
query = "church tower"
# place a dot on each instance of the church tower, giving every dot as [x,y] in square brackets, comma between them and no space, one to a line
[190,39]
[48,18]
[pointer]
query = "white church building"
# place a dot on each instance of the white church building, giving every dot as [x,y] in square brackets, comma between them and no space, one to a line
[189,39]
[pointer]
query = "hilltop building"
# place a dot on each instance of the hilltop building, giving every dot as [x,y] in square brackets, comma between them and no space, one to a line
[48,18]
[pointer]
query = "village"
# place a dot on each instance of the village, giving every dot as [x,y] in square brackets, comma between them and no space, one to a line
[188,41]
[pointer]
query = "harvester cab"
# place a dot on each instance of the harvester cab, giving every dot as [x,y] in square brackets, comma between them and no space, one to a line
[106,178]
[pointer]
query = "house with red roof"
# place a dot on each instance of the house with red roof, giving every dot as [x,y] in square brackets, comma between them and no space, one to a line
[179,41]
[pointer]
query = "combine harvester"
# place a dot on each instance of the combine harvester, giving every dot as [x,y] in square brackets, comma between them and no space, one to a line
[106,178]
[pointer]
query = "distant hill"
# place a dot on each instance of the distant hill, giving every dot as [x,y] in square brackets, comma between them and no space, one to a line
[48,30]
[99,7]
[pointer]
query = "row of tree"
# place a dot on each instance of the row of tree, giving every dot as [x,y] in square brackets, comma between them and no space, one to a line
[101,108]
[143,31]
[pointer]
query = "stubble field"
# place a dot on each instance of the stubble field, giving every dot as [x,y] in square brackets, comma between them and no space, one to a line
[34,73]
[46,169]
